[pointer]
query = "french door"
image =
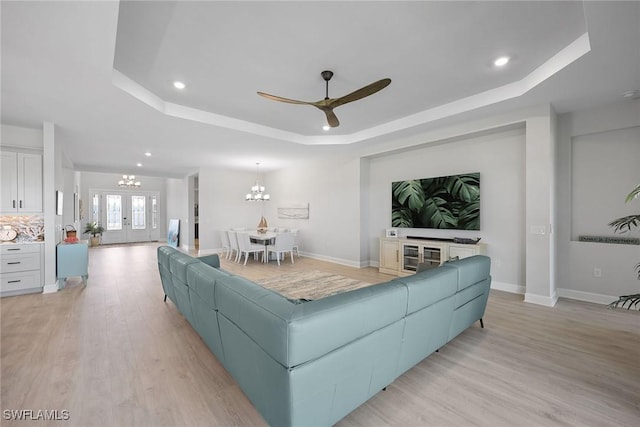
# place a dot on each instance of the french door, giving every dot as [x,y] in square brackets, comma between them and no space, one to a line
[127,216]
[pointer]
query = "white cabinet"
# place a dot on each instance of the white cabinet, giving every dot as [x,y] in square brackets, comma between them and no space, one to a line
[414,253]
[21,188]
[389,256]
[21,268]
[401,257]
[463,251]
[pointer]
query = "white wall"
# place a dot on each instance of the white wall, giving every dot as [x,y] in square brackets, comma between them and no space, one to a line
[597,167]
[15,136]
[499,157]
[176,191]
[332,188]
[222,205]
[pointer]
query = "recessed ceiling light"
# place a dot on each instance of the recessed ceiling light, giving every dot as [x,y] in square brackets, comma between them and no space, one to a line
[179,85]
[139,165]
[501,62]
[326,128]
[631,93]
[148,154]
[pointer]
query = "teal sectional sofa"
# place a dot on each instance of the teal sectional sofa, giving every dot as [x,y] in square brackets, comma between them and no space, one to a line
[311,363]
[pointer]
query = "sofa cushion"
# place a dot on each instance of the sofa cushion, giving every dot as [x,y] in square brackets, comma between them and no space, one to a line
[202,279]
[178,263]
[470,270]
[321,326]
[428,287]
[260,313]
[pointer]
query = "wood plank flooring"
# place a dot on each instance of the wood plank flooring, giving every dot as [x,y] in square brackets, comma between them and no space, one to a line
[113,354]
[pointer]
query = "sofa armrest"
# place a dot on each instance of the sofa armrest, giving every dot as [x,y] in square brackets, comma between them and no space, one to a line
[211,260]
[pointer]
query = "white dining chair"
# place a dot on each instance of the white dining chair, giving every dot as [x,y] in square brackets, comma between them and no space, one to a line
[246,247]
[233,245]
[226,246]
[283,244]
[296,247]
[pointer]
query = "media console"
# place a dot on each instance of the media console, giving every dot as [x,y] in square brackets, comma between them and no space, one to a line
[400,256]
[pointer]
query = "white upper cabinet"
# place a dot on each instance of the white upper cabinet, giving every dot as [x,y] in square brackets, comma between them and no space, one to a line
[21,188]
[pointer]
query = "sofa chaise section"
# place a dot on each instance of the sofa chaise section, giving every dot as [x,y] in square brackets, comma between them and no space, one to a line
[323,357]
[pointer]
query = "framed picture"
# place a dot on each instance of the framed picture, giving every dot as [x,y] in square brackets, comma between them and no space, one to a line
[392,232]
[173,233]
[294,211]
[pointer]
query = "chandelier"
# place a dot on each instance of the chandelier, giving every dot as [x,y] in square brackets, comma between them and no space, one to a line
[257,191]
[129,181]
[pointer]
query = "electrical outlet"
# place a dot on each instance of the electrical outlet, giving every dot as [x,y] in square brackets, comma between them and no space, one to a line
[597,272]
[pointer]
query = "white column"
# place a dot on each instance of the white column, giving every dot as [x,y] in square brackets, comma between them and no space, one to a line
[540,175]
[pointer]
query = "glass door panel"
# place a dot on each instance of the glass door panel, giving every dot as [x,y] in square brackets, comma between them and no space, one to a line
[128,216]
[114,212]
[138,213]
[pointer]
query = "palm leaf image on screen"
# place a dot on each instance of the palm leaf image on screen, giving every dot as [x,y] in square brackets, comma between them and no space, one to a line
[446,202]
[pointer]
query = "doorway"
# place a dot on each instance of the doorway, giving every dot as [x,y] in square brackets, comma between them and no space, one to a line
[127,216]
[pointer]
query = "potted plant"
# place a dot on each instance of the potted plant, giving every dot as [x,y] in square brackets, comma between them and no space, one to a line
[95,230]
[622,225]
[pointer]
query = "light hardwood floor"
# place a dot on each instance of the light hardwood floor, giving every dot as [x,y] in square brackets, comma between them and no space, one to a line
[113,354]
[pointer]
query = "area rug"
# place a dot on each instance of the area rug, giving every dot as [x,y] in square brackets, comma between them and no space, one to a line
[310,285]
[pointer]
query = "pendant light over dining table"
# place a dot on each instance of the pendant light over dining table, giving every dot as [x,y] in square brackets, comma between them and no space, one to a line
[257,191]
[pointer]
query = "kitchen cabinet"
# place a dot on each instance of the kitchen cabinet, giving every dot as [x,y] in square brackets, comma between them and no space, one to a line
[21,186]
[21,269]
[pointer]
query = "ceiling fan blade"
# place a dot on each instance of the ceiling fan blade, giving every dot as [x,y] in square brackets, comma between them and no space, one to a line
[361,93]
[331,118]
[281,99]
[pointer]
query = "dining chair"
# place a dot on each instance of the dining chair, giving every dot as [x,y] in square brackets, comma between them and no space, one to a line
[296,247]
[283,244]
[246,247]
[233,244]
[226,248]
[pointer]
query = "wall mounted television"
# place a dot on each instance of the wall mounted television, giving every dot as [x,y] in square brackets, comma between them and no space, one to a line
[445,202]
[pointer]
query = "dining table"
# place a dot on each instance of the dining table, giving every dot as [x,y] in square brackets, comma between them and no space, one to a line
[264,238]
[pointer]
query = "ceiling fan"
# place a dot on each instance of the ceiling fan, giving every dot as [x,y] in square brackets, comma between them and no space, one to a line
[328,104]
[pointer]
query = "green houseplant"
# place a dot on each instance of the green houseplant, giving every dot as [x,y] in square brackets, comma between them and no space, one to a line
[622,225]
[95,230]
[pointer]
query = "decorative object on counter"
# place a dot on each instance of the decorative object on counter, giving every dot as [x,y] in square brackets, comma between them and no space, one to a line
[262,225]
[466,240]
[70,231]
[129,181]
[95,230]
[257,190]
[7,233]
[71,240]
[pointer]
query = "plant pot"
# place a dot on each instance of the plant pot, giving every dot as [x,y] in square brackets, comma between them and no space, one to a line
[95,241]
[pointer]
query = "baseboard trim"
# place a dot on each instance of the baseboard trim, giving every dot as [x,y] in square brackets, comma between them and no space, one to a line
[340,261]
[508,287]
[586,296]
[549,301]
[49,289]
